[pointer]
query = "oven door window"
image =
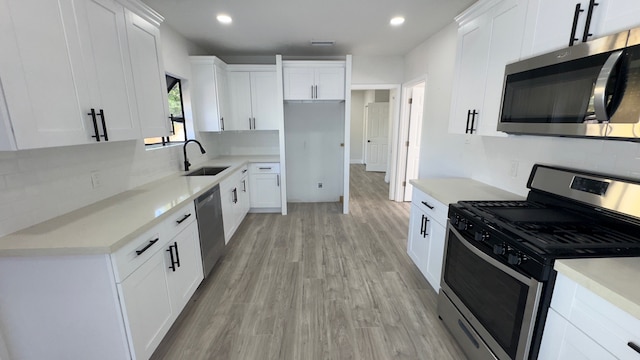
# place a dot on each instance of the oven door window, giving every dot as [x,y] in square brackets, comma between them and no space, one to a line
[496,299]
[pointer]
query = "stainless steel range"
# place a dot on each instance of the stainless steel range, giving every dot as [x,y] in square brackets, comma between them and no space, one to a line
[498,276]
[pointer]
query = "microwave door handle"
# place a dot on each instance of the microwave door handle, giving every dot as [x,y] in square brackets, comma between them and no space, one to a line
[600,91]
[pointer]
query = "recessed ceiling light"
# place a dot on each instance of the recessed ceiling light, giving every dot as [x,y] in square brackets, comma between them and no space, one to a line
[225,19]
[397,21]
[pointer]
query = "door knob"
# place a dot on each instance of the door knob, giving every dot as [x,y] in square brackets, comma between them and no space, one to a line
[368,140]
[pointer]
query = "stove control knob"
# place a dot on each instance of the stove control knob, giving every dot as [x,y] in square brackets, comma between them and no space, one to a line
[514,258]
[462,224]
[499,249]
[454,220]
[481,236]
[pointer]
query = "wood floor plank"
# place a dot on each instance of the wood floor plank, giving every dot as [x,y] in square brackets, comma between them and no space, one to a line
[316,285]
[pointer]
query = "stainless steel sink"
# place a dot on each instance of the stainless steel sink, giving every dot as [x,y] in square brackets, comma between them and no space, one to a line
[207,171]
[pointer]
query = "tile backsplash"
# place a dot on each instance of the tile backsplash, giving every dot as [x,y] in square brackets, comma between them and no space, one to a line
[37,185]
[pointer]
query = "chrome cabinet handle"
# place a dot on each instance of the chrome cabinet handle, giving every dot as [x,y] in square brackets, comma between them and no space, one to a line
[278,180]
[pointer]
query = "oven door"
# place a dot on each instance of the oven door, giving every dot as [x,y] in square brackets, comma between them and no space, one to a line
[498,302]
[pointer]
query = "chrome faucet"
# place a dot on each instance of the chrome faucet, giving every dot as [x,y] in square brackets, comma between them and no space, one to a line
[184,151]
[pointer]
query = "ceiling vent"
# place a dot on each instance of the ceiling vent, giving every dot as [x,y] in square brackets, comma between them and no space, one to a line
[322,42]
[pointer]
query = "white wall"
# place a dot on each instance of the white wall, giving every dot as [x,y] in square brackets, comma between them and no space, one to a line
[313,133]
[37,185]
[357,127]
[243,142]
[441,153]
[489,159]
[376,70]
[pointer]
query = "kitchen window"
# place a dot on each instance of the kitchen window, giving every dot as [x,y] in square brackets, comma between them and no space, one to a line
[178,125]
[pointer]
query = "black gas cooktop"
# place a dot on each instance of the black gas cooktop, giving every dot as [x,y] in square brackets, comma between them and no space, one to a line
[557,232]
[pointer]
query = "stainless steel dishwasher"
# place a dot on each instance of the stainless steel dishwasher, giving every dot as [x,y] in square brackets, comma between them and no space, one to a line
[209,215]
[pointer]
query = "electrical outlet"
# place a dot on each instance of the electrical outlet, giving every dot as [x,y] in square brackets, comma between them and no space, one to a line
[319,185]
[95,179]
[513,171]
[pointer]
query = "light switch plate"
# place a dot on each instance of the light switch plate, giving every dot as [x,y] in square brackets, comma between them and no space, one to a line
[95,179]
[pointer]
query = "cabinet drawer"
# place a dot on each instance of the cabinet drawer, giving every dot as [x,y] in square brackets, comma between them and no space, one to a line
[602,321]
[264,168]
[179,220]
[131,256]
[432,207]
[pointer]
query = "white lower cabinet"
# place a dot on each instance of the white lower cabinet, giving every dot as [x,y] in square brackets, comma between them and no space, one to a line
[425,245]
[265,186]
[234,195]
[583,325]
[146,300]
[105,306]
[155,293]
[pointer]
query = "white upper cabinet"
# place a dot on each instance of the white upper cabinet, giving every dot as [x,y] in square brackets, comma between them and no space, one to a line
[550,23]
[209,93]
[149,76]
[253,98]
[69,73]
[489,37]
[83,44]
[314,80]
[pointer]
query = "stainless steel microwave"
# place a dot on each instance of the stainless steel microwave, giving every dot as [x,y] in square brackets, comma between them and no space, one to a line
[586,90]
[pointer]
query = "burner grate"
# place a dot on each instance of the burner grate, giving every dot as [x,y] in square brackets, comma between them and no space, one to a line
[574,236]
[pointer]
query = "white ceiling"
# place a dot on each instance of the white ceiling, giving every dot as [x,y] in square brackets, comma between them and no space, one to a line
[267,27]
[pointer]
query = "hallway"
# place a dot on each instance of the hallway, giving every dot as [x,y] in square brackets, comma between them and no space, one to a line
[316,284]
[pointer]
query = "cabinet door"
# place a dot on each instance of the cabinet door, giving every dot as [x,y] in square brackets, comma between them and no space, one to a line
[616,16]
[418,242]
[265,191]
[184,280]
[298,83]
[437,234]
[104,41]
[562,340]
[264,100]
[330,83]
[149,78]
[222,93]
[205,97]
[228,193]
[548,25]
[240,100]
[471,70]
[244,199]
[47,105]
[506,26]
[146,302]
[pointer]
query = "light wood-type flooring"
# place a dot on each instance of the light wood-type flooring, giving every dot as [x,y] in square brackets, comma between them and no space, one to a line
[316,284]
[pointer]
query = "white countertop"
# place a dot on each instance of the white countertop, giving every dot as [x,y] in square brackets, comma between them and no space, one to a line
[452,190]
[105,226]
[613,279]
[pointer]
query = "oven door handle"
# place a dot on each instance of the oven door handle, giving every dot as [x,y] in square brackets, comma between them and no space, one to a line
[495,263]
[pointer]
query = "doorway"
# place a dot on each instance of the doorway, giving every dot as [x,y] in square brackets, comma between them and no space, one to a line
[380,156]
[409,138]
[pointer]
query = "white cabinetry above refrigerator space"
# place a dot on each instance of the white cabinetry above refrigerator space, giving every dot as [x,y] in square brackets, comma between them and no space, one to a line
[70,73]
[489,36]
[253,98]
[314,80]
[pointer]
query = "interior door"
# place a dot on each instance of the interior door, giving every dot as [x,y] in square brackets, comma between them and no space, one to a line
[415,130]
[377,137]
